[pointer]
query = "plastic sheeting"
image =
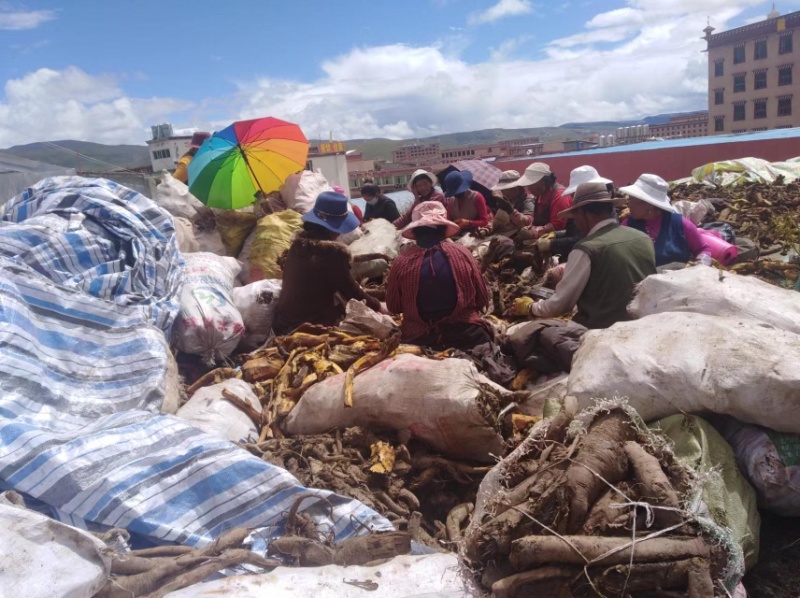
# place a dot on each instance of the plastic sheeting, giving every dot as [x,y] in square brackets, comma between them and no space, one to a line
[82,379]
[745,170]
[101,238]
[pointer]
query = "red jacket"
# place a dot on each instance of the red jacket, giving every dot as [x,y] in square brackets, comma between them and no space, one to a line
[402,287]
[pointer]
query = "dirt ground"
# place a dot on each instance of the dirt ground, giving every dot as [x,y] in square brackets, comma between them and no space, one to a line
[777,574]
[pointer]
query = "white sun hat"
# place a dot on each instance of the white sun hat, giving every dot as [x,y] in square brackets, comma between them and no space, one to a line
[508,180]
[584,174]
[533,174]
[652,189]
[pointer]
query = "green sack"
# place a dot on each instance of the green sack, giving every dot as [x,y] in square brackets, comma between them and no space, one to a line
[730,499]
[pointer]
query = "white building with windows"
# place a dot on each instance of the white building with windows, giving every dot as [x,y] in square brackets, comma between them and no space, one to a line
[166,148]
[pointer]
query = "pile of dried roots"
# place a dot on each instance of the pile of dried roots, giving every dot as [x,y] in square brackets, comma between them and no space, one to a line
[418,491]
[593,511]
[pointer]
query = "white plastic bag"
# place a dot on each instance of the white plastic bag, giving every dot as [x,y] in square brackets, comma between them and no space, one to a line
[212,413]
[300,190]
[360,319]
[209,241]
[184,231]
[708,291]
[256,303]
[695,211]
[381,237]
[439,402]
[208,324]
[43,558]
[432,575]
[174,197]
[689,363]
[769,460]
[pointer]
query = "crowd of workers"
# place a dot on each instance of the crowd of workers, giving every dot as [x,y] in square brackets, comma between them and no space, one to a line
[438,286]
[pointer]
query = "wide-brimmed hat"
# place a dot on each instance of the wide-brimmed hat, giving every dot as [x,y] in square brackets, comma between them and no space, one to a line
[431,214]
[533,174]
[585,194]
[198,138]
[584,174]
[421,173]
[652,189]
[508,180]
[457,182]
[331,210]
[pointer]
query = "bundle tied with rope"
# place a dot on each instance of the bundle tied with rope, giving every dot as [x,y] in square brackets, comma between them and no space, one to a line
[595,504]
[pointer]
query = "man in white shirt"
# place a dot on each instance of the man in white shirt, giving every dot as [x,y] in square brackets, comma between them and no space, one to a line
[603,268]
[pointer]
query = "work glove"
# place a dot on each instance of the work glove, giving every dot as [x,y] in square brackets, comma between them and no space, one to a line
[522,306]
[543,245]
[704,259]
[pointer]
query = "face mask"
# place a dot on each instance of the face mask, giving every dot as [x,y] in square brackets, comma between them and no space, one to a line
[373,201]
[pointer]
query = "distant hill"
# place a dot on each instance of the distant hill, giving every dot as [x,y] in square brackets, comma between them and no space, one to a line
[122,156]
[136,156]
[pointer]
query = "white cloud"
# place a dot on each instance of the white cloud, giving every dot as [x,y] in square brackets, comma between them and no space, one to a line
[651,62]
[24,19]
[505,49]
[623,64]
[501,10]
[71,104]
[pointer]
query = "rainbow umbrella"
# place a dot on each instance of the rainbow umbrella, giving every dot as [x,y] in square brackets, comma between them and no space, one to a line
[246,157]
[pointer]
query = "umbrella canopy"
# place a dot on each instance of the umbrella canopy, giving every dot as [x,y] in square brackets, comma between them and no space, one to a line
[248,156]
[484,175]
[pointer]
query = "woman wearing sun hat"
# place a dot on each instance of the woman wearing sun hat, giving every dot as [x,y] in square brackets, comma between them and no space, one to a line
[465,206]
[423,186]
[676,238]
[437,285]
[316,268]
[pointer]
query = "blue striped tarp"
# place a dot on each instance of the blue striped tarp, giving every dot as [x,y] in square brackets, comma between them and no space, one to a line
[82,379]
[100,237]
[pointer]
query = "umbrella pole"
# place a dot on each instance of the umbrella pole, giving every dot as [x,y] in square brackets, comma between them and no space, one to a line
[252,172]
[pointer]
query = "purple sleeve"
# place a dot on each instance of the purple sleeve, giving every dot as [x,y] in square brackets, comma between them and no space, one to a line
[695,239]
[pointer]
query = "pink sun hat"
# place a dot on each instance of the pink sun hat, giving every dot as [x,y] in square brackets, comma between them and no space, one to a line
[432,214]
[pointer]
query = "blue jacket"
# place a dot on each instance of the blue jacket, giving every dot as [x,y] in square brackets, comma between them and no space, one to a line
[671,245]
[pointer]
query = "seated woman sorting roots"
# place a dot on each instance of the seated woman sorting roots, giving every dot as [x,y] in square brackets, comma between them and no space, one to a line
[437,285]
[316,269]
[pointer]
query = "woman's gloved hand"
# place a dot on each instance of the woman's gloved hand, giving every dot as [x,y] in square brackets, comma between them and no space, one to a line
[521,306]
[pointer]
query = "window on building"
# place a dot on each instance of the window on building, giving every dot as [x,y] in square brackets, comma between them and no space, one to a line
[738,54]
[785,106]
[719,68]
[739,84]
[738,111]
[719,124]
[161,154]
[785,75]
[760,80]
[785,44]
[719,96]
[760,49]
[760,109]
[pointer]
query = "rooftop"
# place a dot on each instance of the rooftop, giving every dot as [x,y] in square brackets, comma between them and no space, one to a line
[684,142]
[762,28]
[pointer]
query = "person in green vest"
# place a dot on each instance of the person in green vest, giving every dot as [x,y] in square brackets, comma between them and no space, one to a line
[603,268]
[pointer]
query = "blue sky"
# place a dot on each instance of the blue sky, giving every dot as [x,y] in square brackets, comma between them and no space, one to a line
[106,71]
